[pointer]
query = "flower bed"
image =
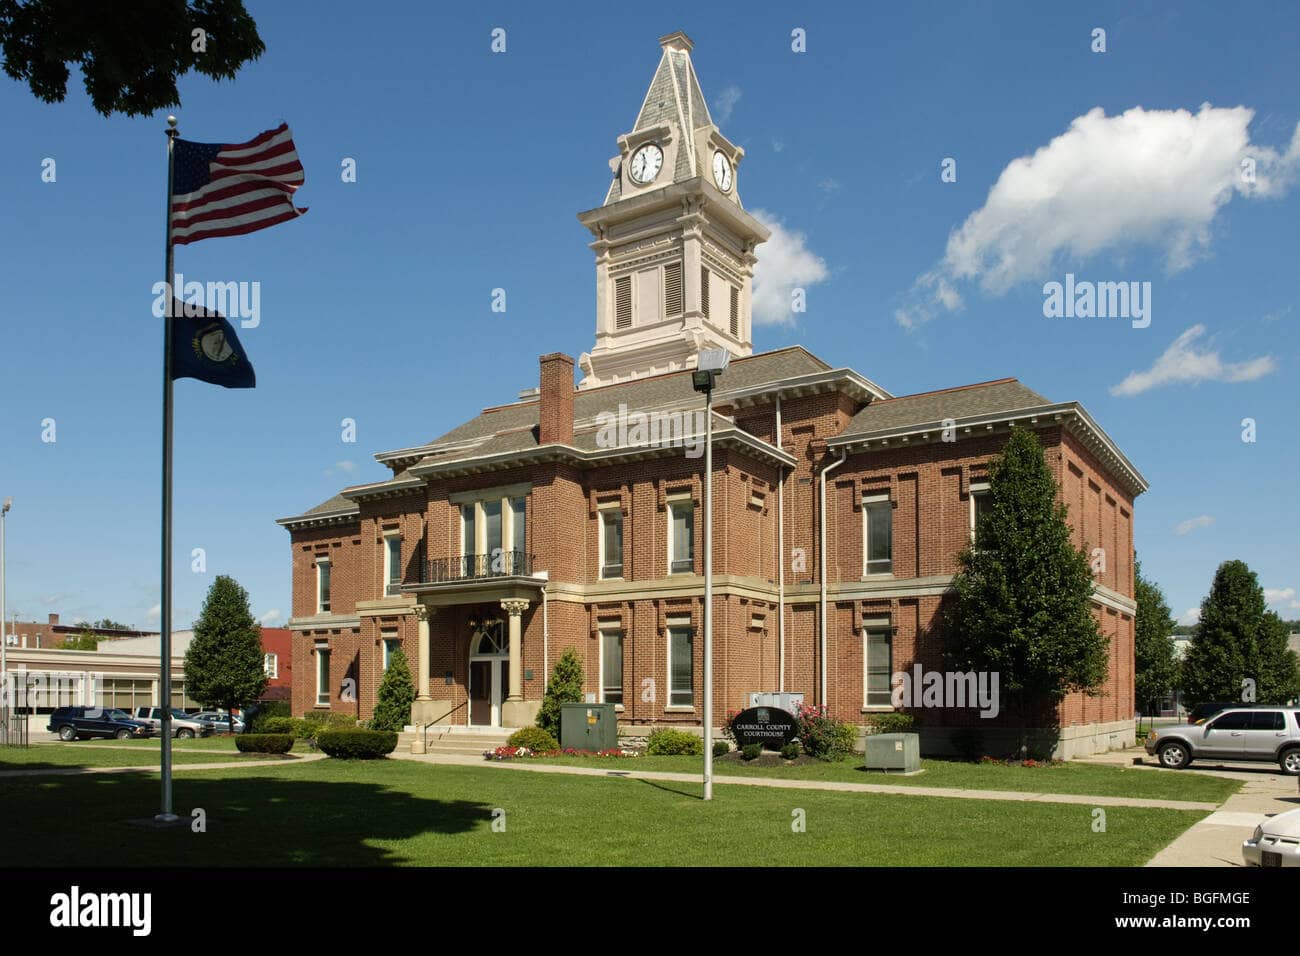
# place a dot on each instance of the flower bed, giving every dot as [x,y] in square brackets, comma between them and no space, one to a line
[1016,762]
[519,753]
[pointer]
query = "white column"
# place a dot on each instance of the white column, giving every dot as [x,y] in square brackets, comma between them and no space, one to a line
[516,608]
[422,666]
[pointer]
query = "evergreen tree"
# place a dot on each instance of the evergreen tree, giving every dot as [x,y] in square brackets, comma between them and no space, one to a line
[395,696]
[1156,667]
[564,687]
[1023,607]
[223,666]
[1239,644]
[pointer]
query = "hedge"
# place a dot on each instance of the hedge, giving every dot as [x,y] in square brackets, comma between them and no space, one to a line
[278,725]
[668,742]
[534,738]
[357,744]
[263,743]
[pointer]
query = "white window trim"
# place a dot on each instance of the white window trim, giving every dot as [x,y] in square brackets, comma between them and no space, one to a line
[321,606]
[866,663]
[668,637]
[601,511]
[386,657]
[271,665]
[976,488]
[388,561]
[673,504]
[866,537]
[322,654]
[507,520]
[607,630]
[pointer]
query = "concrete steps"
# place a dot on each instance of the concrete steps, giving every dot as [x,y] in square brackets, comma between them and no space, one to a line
[458,741]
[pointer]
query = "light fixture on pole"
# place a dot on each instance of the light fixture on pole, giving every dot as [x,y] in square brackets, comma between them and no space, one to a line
[709,365]
[4,635]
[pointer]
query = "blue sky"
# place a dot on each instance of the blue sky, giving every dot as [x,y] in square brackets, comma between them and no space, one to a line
[472,165]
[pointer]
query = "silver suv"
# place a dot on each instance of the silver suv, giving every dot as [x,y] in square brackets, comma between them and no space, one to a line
[1269,734]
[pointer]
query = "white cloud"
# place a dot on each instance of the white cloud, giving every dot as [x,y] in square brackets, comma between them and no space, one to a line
[1191,524]
[58,597]
[1144,177]
[1183,364]
[270,617]
[724,103]
[1190,616]
[1282,596]
[154,614]
[347,467]
[777,145]
[784,263]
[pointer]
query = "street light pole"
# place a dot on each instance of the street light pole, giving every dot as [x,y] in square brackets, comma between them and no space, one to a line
[708,367]
[4,635]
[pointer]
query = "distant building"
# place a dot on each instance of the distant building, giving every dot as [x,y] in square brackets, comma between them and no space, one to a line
[51,634]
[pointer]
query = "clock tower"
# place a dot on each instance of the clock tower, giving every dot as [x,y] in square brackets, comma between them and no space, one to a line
[674,246]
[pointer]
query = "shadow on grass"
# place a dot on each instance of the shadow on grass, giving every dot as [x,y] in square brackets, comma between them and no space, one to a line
[250,821]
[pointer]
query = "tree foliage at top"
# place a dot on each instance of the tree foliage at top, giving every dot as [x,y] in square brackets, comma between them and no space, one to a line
[564,687]
[223,666]
[1238,640]
[1023,604]
[130,53]
[85,641]
[395,695]
[1155,665]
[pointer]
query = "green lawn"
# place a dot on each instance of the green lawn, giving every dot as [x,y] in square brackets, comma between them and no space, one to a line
[1070,777]
[155,743]
[392,812]
[83,754]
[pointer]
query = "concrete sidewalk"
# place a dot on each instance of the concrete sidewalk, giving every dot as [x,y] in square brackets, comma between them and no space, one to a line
[1216,840]
[882,788]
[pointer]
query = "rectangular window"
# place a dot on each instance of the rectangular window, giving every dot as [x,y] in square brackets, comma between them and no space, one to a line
[491,528]
[735,311]
[681,537]
[322,676]
[468,545]
[878,534]
[704,291]
[393,564]
[391,643]
[623,302]
[611,543]
[271,665]
[979,501]
[518,531]
[322,585]
[681,673]
[877,666]
[611,667]
[673,289]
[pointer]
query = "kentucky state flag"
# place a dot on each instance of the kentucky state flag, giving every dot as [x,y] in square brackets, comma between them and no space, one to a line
[205,346]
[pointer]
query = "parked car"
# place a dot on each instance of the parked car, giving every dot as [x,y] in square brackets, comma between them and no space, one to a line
[75,723]
[1203,712]
[1276,842]
[1268,734]
[220,723]
[182,724]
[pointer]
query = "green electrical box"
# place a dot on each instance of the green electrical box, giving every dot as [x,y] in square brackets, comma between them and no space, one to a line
[898,752]
[588,726]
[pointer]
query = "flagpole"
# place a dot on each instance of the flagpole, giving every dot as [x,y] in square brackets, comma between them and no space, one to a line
[165,643]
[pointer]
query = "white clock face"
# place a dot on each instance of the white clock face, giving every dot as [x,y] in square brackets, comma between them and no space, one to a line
[646,163]
[722,171]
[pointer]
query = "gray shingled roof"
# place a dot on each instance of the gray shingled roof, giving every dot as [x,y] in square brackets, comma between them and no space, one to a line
[988,398]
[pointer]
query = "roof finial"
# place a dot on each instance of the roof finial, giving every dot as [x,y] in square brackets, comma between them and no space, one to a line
[677,41]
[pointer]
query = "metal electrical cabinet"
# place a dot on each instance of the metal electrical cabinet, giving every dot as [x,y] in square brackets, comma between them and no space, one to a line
[588,726]
[899,752]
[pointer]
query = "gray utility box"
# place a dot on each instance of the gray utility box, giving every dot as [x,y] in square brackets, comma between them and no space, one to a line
[790,703]
[588,726]
[901,752]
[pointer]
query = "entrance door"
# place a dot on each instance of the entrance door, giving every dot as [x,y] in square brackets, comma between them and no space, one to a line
[489,675]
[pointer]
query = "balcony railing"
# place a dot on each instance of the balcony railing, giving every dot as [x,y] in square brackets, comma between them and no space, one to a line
[472,567]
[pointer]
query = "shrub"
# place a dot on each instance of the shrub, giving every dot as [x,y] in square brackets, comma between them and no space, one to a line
[890,723]
[564,687]
[824,738]
[277,725]
[666,742]
[791,750]
[263,743]
[357,744]
[533,738]
[395,695]
[751,751]
[315,722]
[968,742]
[720,748]
[271,710]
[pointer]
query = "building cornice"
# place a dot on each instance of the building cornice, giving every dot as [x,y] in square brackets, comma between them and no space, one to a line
[321,519]
[814,383]
[324,622]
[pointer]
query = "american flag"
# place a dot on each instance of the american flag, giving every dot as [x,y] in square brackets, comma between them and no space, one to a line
[230,190]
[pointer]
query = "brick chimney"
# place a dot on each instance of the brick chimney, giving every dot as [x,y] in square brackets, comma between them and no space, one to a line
[54,619]
[555,416]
